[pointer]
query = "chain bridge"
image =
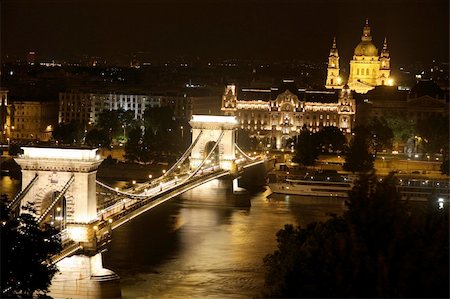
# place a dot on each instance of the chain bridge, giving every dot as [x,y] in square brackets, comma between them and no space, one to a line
[62,184]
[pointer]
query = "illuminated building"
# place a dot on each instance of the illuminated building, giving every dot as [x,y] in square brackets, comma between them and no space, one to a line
[85,108]
[274,116]
[334,79]
[32,120]
[5,115]
[367,68]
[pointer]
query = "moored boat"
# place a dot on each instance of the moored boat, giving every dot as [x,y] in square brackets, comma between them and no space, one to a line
[329,185]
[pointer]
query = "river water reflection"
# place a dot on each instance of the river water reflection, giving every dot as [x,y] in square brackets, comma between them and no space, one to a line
[197,249]
[200,244]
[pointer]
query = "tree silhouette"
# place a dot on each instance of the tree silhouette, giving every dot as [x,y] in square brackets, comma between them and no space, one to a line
[380,247]
[359,157]
[25,253]
[306,149]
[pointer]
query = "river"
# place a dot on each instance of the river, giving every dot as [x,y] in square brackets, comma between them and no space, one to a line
[189,248]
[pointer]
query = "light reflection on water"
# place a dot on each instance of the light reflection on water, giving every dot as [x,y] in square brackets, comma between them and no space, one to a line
[200,245]
[9,186]
[191,249]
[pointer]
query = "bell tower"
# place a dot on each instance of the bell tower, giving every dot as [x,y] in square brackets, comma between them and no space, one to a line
[385,66]
[229,100]
[333,78]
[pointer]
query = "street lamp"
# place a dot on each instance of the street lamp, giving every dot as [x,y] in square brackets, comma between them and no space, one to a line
[182,132]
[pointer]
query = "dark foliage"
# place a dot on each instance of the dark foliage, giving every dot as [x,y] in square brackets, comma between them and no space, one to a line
[359,157]
[380,247]
[25,253]
[70,133]
[14,149]
[382,134]
[331,139]
[307,148]
[98,138]
[435,133]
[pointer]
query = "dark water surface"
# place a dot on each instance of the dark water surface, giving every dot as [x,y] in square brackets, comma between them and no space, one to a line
[188,248]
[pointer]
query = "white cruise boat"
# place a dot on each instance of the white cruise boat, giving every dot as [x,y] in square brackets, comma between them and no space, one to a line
[314,185]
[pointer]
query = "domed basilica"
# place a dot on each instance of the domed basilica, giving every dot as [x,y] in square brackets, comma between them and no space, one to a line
[367,68]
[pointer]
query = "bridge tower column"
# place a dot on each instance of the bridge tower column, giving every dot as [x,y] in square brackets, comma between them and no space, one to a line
[211,127]
[66,178]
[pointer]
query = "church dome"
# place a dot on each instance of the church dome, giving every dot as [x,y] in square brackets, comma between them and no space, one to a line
[366,48]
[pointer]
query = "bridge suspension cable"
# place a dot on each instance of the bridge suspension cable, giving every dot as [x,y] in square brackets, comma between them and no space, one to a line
[185,155]
[207,157]
[15,202]
[243,153]
[118,191]
[55,201]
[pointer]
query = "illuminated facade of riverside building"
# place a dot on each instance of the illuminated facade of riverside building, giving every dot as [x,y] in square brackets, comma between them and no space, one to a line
[276,115]
[367,68]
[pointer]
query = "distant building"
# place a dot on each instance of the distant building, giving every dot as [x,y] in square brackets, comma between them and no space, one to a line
[367,68]
[5,115]
[32,120]
[277,114]
[424,100]
[85,108]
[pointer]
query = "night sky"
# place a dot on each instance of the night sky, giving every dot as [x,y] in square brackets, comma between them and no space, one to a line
[417,30]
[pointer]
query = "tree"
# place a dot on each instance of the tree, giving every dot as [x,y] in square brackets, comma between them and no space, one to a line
[70,133]
[306,148]
[25,253]
[98,137]
[134,146]
[109,121]
[382,134]
[14,149]
[435,132]
[159,120]
[331,138]
[359,157]
[160,129]
[380,247]
[402,127]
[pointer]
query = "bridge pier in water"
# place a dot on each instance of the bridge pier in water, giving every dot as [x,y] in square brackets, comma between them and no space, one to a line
[61,182]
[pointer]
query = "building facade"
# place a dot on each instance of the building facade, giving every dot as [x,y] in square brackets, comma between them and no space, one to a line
[32,120]
[367,68]
[85,108]
[276,115]
[5,116]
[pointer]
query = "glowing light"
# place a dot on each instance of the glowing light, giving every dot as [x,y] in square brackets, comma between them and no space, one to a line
[95,227]
[110,220]
[214,119]
[150,176]
[59,153]
[134,182]
[117,188]
[58,209]
[164,171]
[441,203]
[390,82]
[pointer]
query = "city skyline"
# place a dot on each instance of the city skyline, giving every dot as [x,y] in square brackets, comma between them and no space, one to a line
[268,30]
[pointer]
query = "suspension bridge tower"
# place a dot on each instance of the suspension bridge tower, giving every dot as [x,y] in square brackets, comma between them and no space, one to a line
[214,140]
[61,182]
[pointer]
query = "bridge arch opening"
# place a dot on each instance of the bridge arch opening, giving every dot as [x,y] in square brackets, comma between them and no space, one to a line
[57,217]
[215,156]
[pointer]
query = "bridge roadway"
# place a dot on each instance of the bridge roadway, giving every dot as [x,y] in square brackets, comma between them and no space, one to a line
[145,197]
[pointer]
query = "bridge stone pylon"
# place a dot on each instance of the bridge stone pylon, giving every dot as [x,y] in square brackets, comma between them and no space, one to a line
[65,179]
[210,129]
